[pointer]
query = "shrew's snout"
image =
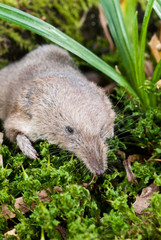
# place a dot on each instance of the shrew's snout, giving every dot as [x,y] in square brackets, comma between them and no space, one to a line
[99,172]
[93,152]
[97,164]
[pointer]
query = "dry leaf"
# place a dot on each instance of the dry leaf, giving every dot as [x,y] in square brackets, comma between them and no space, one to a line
[11,233]
[159,84]
[122,154]
[155,46]
[103,22]
[142,201]
[62,231]
[130,175]
[149,68]
[19,204]
[158,160]
[117,69]
[58,189]
[43,18]
[136,157]
[127,164]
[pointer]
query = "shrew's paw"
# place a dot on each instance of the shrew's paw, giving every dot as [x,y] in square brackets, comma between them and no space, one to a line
[26,147]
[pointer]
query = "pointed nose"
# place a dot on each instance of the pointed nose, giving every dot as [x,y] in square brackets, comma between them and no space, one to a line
[99,173]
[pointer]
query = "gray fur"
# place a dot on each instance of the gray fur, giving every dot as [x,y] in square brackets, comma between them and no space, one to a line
[44,93]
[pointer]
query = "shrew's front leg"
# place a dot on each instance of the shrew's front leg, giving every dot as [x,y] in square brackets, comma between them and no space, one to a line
[16,128]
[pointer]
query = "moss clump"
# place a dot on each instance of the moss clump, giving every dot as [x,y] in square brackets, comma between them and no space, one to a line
[67,15]
[104,210]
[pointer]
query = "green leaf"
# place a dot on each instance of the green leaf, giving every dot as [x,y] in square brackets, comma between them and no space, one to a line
[129,55]
[132,56]
[157,7]
[141,58]
[118,30]
[136,46]
[51,33]
[143,40]
[129,13]
[157,73]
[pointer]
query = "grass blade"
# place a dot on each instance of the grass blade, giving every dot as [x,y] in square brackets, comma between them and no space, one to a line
[157,7]
[129,14]
[141,59]
[157,73]
[118,30]
[132,57]
[136,46]
[51,33]
[143,39]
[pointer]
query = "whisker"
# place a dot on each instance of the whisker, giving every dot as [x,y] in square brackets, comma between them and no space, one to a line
[120,99]
[123,120]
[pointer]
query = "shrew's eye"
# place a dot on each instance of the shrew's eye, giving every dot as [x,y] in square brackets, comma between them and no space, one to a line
[69,130]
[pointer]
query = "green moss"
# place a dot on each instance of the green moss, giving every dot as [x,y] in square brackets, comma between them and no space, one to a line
[104,210]
[66,15]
